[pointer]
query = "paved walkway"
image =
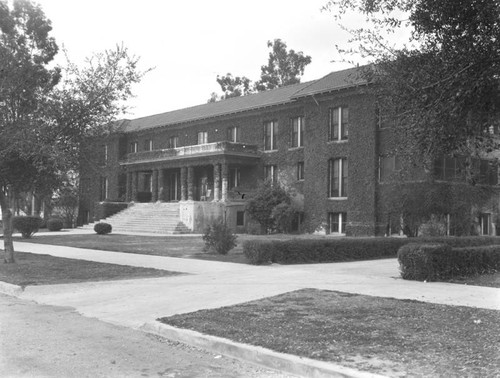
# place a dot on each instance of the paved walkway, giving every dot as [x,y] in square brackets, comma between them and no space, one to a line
[209,284]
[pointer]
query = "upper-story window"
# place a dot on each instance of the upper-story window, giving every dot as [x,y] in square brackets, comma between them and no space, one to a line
[103,158]
[271,173]
[337,178]
[202,137]
[388,166]
[297,129]
[338,123]
[173,142]
[234,177]
[233,134]
[270,135]
[148,145]
[300,171]
[134,147]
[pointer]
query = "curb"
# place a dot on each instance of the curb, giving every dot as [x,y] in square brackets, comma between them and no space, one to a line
[11,289]
[286,363]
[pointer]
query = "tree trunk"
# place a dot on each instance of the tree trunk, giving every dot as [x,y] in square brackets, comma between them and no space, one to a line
[7,229]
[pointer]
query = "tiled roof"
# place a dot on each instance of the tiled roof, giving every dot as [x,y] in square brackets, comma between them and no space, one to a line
[334,81]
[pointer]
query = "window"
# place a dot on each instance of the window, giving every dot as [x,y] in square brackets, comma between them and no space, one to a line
[234,177]
[485,220]
[337,223]
[104,189]
[297,128]
[233,134]
[240,218]
[173,142]
[487,171]
[300,170]
[338,123]
[103,158]
[450,169]
[337,178]
[202,137]
[270,135]
[271,173]
[388,165]
[134,146]
[148,145]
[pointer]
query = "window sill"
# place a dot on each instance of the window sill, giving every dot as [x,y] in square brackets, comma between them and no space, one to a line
[269,151]
[338,141]
[296,148]
[337,198]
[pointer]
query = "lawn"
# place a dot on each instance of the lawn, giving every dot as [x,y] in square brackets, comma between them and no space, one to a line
[35,269]
[385,336]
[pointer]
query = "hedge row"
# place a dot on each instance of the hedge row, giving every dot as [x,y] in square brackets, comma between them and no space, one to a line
[437,262]
[296,251]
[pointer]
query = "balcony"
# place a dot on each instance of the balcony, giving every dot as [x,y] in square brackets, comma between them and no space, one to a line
[199,150]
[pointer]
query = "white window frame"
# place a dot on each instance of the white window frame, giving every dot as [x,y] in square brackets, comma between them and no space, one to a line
[340,124]
[202,137]
[175,140]
[341,219]
[342,193]
[234,134]
[300,171]
[134,147]
[274,130]
[300,131]
[271,172]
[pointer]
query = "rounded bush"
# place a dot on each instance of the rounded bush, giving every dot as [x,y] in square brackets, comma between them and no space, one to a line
[54,224]
[26,225]
[102,228]
[219,238]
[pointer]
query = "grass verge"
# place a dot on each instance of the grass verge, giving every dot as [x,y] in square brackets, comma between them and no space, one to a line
[385,336]
[35,269]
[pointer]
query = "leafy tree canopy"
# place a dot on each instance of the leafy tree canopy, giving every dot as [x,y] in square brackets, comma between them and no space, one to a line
[441,89]
[284,67]
[46,113]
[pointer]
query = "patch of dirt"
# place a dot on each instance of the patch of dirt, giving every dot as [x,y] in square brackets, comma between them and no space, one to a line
[381,335]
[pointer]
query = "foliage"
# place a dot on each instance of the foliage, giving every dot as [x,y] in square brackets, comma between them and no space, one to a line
[437,262]
[66,202]
[284,67]
[442,87]
[26,225]
[284,214]
[267,196]
[47,114]
[219,238]
[55,224]
[301,250]
[102,228]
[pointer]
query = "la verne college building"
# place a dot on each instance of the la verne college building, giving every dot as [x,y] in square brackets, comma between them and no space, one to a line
[321,139]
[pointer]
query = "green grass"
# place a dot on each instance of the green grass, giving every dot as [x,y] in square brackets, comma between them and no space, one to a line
[381,335]
[35,269]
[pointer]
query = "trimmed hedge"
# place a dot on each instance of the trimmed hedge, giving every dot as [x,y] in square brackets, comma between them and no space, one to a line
[55,224]
[102,228]
[296,251]
[26,225]
[437,262]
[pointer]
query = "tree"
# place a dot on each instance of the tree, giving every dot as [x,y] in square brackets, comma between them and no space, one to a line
[47,114]
[283,68]
[267,197]
[442,88]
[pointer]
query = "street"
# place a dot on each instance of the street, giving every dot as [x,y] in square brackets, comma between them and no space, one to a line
[49,341]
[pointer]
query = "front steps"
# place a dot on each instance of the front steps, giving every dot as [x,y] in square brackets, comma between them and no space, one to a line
[155,218]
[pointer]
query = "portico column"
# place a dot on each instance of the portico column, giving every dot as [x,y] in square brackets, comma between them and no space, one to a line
[128,193]
[216,182]
[161,185]
[154,189]
[135,184]
[224,182]
[183,183]
[190,183]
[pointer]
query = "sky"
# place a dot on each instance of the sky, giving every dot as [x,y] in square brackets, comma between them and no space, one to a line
[189,43]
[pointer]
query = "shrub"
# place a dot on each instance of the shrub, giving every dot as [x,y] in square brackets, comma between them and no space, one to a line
[219,238]
[283,215]
[55,224]
[308,250]
[102,228]
[26,225]
[435,262]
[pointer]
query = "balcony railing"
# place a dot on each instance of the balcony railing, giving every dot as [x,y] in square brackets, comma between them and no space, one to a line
[217,148]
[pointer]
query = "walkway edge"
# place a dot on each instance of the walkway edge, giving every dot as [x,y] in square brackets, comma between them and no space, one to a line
[288,363]
[11,289]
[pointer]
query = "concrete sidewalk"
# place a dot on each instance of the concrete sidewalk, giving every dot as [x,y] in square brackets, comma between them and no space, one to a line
[208,284]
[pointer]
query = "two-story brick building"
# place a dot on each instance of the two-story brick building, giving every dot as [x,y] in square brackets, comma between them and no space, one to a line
[321,139]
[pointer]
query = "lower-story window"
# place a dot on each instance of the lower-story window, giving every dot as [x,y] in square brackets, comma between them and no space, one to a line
[337,223]
[240,218]
[485,219]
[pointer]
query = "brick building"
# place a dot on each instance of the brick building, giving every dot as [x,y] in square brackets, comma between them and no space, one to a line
[321,139]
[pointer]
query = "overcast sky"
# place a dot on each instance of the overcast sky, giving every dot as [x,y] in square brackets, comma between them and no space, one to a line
[190,42]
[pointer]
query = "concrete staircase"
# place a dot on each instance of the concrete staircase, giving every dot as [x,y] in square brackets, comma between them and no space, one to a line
[155,218]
